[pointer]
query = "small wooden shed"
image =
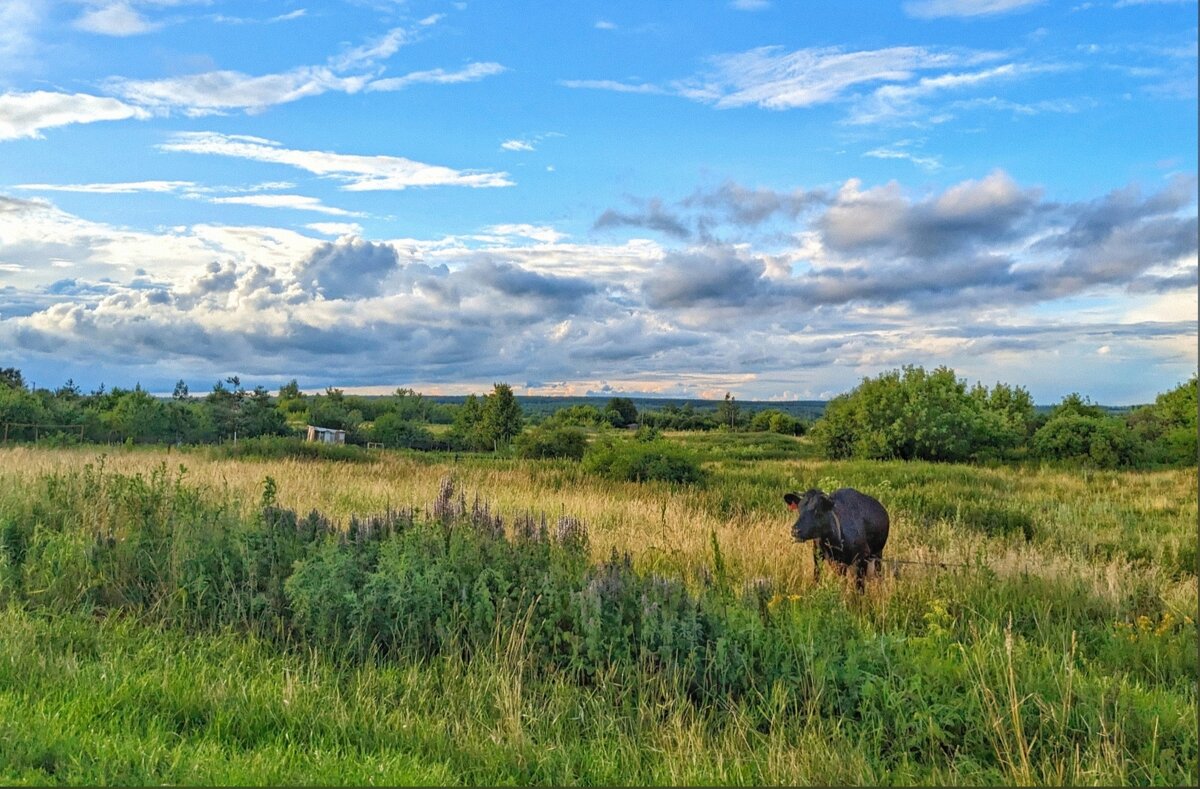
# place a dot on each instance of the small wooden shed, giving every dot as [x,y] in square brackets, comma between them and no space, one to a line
[326,435]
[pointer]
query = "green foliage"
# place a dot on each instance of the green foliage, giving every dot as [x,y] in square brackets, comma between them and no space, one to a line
[620,411]
[1100,441]
[1166,431]
[488,423]
[502,417]
[728,412]
[772,420]
[643,461]
[582,415]
[913,414]
[156,636]
[551,442]
[394,430]
[277,447]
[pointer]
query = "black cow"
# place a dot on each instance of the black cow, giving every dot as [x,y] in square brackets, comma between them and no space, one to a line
[849,527]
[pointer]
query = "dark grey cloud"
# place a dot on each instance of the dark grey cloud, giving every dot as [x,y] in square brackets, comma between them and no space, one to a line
[512,280]
[651,217]
[347,269]
[968,216]
[714,276]
[736,204]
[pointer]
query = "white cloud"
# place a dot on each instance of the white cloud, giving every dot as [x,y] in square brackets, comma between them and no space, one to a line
[750,5]
[128,187]
[358,173]
[772,78]
[613,85]
[966,276]
[215,92]
[934,9]
[541,233]
[472,72]
[369,54]
[18,21]
[296,202]
[432,19]
[926,162]
[336,228]
[604,24]
[114,19]
[26,114]
[517,145]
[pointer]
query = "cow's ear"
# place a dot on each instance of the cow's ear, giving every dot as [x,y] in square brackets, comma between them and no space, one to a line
[792,498]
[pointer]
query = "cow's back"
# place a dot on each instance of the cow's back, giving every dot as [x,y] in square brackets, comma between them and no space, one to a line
[862,518]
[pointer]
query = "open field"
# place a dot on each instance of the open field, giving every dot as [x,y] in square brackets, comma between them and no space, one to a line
[1064,652]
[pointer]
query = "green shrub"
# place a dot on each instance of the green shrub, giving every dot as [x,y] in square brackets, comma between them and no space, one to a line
[1102,442]
[278,448]
[393,430]
[643,461]
[911,414]
[551,442]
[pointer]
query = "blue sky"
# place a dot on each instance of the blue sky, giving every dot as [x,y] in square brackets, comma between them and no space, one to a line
[679,198]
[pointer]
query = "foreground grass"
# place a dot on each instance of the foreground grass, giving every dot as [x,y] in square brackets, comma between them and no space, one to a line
[1065,653]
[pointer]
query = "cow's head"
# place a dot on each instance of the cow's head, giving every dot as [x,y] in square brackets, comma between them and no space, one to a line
[814,514]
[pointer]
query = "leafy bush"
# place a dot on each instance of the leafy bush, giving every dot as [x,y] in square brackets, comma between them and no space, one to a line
[550,442]
[1166,431]
[1099,441]
[643,461]
[276,448]
[911,414]
[772,420]
[393,430]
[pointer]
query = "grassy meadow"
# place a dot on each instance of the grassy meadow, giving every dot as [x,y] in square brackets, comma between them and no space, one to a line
[158,629]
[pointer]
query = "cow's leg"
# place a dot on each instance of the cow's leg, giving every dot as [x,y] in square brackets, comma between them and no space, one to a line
[860,572]
[818,560]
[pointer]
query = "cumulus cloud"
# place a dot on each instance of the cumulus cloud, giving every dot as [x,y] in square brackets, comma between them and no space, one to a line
[820,288]
[27,114]
[347,269]
[356,172]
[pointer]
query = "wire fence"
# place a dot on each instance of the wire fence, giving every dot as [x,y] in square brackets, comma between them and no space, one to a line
[39,429]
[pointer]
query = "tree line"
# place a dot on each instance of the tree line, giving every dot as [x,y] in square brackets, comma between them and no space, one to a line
[908,413]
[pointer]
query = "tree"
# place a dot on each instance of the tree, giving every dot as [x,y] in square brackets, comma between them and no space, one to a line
[620,411]
[1166,431]
[914,414]
[11,377]
[140,417]
[727,411]
[393,430]
[1100,441]
[467,429]
[502,415]
[181,390]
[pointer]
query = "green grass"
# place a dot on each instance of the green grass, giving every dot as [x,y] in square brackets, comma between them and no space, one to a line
[1064,654]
